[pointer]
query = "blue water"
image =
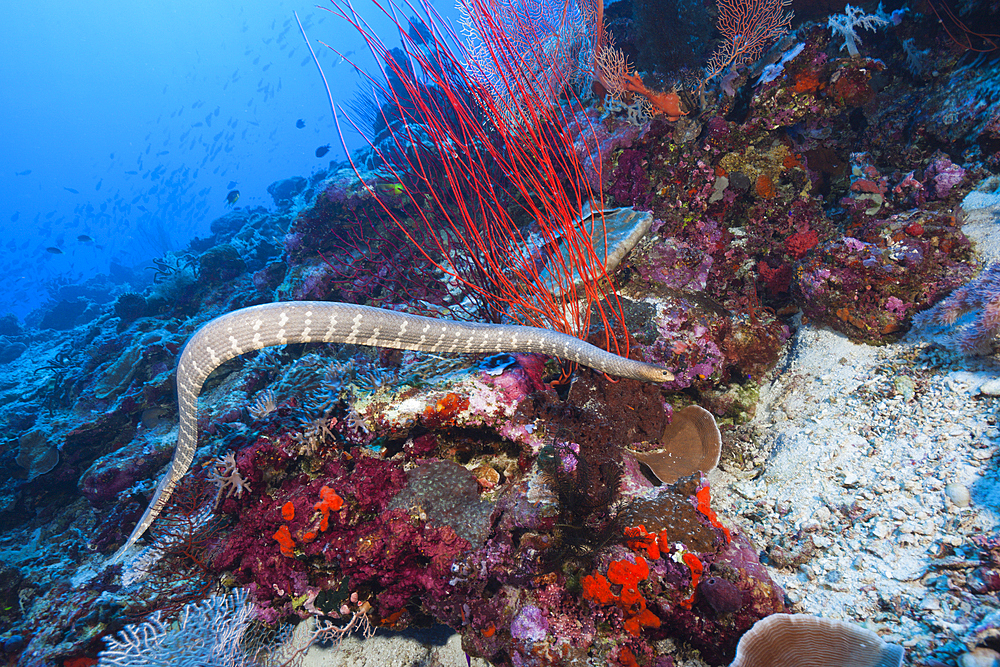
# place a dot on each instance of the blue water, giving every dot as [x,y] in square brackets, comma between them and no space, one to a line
[130,122]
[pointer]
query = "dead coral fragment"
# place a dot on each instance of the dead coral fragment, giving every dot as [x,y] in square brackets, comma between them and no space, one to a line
[691,443]
[798,640]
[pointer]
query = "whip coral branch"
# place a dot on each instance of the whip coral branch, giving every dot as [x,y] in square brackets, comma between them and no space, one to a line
[489,168]
[316,60]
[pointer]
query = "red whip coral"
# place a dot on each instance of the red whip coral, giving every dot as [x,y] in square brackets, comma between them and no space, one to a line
[525,163]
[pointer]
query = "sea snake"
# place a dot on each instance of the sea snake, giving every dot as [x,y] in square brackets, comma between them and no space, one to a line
[281,323]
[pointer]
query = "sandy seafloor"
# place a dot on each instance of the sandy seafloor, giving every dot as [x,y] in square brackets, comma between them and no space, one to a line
[862,479]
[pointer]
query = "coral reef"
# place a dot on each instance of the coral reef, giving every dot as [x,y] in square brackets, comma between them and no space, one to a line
[502,496]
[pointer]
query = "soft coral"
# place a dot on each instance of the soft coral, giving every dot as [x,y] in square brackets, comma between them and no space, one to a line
[980,298]
[852,18]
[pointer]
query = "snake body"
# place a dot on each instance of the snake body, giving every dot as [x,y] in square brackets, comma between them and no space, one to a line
[256,327]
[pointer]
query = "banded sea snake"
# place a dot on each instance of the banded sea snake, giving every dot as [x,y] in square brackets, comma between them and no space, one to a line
[267,325]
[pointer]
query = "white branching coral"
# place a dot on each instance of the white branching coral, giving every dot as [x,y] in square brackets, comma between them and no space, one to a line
[229,480]
[219,631]
[846,26]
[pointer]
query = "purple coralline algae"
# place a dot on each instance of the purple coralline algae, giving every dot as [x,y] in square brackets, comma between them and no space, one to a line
[529,625]
[594,138]
[869,286]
